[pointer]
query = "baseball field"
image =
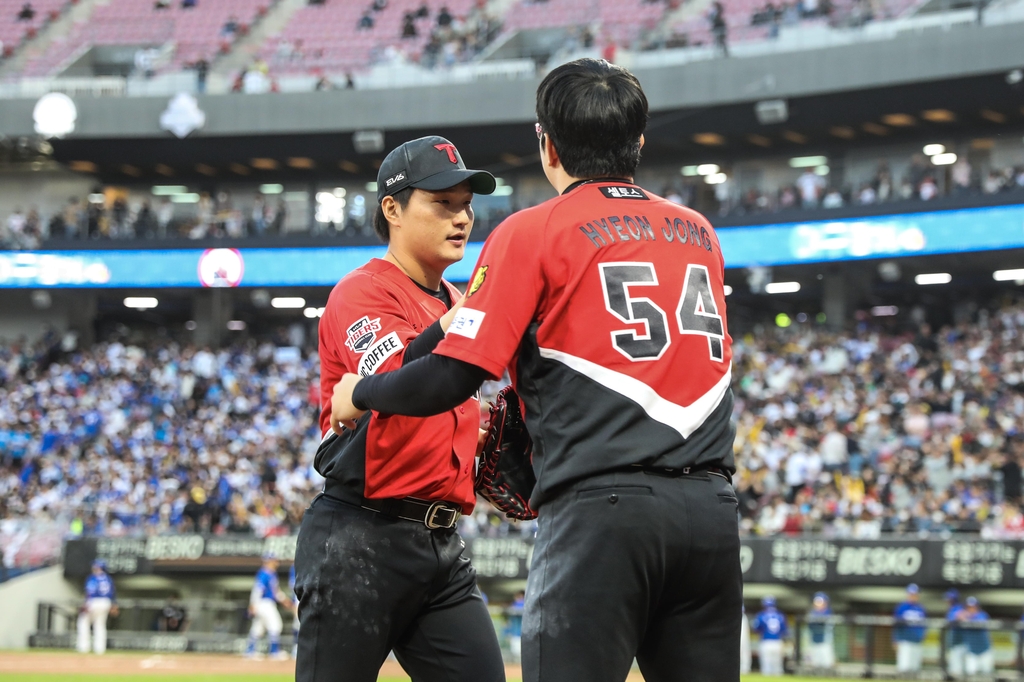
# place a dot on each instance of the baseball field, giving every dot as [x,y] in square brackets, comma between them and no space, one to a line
[62,666]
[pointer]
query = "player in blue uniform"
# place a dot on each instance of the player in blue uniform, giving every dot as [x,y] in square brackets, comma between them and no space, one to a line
[263,600]
[822,650]
[295,608]
[99,603]
[514,628]
[909,632]
[770,624]
[955,647]
[979,659]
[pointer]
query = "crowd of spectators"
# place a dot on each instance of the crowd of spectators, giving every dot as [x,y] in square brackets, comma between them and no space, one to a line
[860,434]
[849,435]
[921,182]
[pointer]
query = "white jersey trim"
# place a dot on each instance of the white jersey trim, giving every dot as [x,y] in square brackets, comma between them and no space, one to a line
[685,420]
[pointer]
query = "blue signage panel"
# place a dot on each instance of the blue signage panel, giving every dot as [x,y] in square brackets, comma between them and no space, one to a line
[892,236]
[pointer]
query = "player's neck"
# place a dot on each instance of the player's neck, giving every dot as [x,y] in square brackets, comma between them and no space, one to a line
[562,181]
[415,270]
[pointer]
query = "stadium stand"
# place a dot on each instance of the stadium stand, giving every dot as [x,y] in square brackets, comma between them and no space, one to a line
[198,32]
[617,21]
[18,25]
[334,37]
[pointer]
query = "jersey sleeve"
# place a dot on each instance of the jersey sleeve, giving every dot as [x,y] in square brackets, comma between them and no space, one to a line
[371,330]
[503,297]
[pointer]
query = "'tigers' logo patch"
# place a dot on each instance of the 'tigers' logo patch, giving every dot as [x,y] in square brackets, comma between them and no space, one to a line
[362,333]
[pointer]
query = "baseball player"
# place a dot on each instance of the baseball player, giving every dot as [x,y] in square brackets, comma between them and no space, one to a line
[822,648]
[978,659]
[379,564]
[956,650]
[909,632]
[606,305]
[745,644]
[295,609]
[770,624]
[99,603]
[263,600]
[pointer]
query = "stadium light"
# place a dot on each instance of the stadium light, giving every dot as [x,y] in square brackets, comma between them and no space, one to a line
[783,320]
[189,198]
[884,310]
[502,191]
[1009,275]
[371,187]
[689,171]
[822,170]
[236,325]
[782,287]
[168,190]
[716,178]
[140,302]
[313,312]
[272,188]
[808,161]
[708,169]
[728,290]
[933,278]
[946,159]
[288,302]
[934,149]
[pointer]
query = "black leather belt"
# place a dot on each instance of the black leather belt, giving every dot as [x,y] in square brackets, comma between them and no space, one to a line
[433,515]
[682,471]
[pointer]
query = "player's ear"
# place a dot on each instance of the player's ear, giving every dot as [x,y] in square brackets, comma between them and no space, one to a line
[550,155]
[392,211]
[642,140]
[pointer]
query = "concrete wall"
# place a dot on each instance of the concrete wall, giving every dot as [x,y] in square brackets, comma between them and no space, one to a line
[20,598]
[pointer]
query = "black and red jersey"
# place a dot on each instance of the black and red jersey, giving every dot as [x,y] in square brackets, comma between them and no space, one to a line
[371,316]
[607,306]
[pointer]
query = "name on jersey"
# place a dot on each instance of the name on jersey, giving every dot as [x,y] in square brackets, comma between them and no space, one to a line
[605,231]
[375,357]
[624,192]
[362,333]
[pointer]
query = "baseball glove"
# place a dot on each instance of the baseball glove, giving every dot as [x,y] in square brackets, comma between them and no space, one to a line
[505,475]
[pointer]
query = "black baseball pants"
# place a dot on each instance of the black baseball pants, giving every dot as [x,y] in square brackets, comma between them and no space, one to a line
[368,584]
[636,565]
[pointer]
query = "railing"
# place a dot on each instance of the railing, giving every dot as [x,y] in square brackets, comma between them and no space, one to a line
[862,645]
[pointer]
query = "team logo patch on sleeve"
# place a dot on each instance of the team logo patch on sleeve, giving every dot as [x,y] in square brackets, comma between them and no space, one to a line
[362,333]
[381,351]
[467,323]
[624,192]
[478,280]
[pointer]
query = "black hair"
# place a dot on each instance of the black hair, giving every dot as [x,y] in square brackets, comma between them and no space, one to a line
[380,223]
[595,113]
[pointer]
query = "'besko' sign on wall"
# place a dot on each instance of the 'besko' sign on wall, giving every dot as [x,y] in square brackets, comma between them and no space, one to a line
[803,560]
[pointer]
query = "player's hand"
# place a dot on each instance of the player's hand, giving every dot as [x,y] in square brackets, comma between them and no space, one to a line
[446,319]
[114,611]
[252,610]
[343,412]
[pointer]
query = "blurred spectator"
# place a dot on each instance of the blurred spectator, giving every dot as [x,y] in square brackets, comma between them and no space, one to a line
[379,5]
[173,617]
[444,17]
[719,29]
[188,4]
[27,12]
[162,4]
[409,25]
[810,185]
[366,22]
[230,28]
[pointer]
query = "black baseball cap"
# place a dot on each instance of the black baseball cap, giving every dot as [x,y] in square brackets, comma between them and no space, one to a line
[431,163]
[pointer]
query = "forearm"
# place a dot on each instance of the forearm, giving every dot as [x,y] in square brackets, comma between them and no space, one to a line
[424,344]
[427,386]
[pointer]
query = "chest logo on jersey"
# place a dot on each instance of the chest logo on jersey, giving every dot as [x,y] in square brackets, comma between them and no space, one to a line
[624,192]
[362,333]
[478,280]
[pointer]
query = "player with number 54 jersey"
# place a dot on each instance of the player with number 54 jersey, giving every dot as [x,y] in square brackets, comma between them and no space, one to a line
[606,305]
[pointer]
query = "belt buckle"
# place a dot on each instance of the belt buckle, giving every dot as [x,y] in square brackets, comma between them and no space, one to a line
[430,520]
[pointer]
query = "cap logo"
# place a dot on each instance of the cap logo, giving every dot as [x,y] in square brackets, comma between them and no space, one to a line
[450,148]
[397,177]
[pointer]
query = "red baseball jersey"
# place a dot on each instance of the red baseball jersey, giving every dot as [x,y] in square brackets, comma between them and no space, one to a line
[607,306]
[370,317]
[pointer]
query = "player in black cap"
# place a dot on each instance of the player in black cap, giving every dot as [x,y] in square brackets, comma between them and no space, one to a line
[379,562]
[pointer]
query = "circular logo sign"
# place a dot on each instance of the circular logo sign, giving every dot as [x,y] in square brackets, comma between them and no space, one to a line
[221,268]
[55,115]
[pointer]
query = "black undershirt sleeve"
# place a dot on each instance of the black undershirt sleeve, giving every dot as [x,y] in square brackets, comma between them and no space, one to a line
[430,385]
[424,344]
